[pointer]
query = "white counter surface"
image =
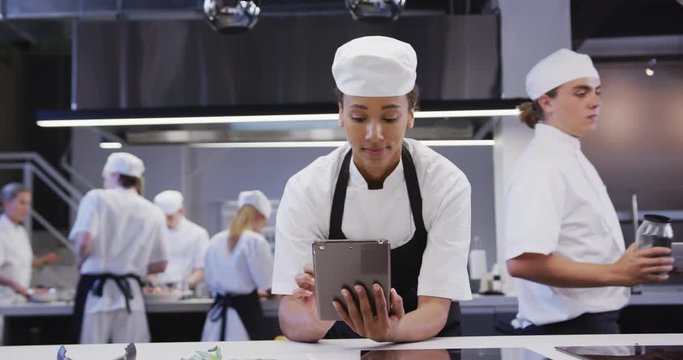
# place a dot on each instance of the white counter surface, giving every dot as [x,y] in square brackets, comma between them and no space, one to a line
[335,349]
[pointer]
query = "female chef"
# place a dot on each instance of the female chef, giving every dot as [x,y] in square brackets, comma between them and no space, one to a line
[562,235]
[16,255]
[239,262]
[377,186]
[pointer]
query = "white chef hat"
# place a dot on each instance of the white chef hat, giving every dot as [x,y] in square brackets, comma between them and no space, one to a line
[375,66]
[124,163]
[169,201]
[257,199]
[556,69]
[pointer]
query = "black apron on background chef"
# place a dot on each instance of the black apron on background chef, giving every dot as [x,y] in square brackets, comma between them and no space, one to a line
[244,254]
[120,237]
[378,186]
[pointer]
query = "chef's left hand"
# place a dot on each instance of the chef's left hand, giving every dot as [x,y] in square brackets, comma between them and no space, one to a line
[359,318]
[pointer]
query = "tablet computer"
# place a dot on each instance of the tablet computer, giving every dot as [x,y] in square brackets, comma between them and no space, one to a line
[342,264]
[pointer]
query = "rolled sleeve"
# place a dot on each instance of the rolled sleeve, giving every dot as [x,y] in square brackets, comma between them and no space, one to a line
[87,218]
[202,247]
[534,210]
[160,247]
[444,262]
[297,226]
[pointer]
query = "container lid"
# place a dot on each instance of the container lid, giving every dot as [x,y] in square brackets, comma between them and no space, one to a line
[661,219]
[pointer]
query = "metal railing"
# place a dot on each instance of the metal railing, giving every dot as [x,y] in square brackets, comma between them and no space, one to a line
[33,166]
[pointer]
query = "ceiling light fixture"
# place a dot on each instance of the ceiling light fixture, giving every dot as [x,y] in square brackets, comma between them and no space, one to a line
[110,145]
[650,67]
[375,10]
[47,121]
[231,16]
[325,144]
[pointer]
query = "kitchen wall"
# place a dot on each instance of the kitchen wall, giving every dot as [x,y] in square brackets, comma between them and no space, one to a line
[209,177]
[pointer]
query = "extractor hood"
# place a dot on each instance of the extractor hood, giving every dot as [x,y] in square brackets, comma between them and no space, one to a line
[182,68]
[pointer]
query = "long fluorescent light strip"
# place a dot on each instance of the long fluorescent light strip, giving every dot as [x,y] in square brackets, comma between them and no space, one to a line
[110,145]
[303,144]
[253,118]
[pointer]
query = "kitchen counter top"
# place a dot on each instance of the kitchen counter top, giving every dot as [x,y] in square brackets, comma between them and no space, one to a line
[339,349]
[480,302]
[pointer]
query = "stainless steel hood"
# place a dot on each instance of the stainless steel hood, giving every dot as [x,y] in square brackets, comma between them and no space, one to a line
[283,61]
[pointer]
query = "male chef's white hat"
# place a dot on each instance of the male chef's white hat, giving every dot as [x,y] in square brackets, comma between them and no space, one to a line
[257,199]
[558,68]
[375,66]
[169,201]
[124,163]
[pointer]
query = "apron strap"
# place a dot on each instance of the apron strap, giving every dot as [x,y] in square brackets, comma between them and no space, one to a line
[413,187]
[95,283]
[248,308]
[121,282]
[338,201]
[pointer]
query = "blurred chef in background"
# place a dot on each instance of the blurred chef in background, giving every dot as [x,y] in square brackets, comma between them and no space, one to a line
[187,244]
[239,262]
[120,238]
[16,254]
[562,236]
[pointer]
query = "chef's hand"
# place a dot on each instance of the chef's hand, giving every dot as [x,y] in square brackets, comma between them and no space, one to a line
[19,289]
[47,259]
[645,265]
[359,318]
[305,293]
[298,313]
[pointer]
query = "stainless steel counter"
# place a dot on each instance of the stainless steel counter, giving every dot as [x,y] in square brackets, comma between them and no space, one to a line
[479,304]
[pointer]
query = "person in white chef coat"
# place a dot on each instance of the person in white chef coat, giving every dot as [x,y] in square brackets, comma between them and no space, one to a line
[238,263]
[120,237]
[187,243]
[563,241]
[379,185]
[16,254]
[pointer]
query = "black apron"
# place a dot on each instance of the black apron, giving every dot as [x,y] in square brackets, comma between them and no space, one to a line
[406,260]
[95,283]
[248,308]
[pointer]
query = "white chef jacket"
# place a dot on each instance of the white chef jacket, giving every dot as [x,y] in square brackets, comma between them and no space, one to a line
[558,204]
[16,256]
[246,268]
[129,233]
[304,216]
[187,245]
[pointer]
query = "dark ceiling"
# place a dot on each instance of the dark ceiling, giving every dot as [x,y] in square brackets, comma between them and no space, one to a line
[625,18]
[589,18]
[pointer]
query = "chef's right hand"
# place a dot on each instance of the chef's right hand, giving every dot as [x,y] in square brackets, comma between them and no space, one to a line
[305,293]
[20,289]
[298,313]
[638,266]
